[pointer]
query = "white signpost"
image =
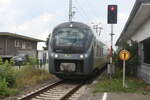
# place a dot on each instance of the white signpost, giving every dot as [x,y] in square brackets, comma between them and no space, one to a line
[124,55]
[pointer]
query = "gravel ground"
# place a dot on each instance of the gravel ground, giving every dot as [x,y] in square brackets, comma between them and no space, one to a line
[114,96]
[29,89]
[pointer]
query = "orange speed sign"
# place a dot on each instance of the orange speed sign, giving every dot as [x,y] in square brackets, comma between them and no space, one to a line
[124,55]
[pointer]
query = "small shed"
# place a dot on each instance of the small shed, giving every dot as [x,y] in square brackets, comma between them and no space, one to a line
[12,44]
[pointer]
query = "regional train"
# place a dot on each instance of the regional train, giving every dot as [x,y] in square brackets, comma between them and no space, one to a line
[75,51]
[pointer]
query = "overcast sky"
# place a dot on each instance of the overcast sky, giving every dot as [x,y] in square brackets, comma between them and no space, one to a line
[37,18]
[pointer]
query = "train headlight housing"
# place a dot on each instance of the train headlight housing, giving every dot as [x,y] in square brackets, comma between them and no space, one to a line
[56,55]
[86,55]
[81,56]
[52,54]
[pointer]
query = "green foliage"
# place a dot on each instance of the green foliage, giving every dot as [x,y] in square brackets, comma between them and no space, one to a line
[7,72]
[12,62]
[26,76]
[4,89]
[3,84]
[132,63]
[32,61]
[1,61]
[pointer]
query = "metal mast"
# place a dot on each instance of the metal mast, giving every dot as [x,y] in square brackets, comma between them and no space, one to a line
[70,11]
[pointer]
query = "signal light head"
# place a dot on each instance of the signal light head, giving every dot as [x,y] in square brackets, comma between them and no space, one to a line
[112,8]
[112,14]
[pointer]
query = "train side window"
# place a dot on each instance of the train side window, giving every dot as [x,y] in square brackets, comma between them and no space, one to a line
[97,51]
[94,42]
[102,53]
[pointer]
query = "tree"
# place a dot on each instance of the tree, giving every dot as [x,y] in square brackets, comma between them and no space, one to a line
[132,63]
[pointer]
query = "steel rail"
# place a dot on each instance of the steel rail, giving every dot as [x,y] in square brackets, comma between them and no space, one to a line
[71,92]
[38,92]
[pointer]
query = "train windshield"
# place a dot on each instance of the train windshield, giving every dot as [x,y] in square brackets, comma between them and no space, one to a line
[69,39]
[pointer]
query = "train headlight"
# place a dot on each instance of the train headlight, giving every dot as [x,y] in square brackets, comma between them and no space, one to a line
[81,56]
[56,55]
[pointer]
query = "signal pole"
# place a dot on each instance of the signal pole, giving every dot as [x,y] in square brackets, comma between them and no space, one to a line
[70,11]
[112,19]
[112,34]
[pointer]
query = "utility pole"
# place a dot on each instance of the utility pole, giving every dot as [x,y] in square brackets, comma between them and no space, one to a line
[97,28]
[70,11]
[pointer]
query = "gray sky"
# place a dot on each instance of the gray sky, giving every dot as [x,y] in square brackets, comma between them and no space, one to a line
[37,18]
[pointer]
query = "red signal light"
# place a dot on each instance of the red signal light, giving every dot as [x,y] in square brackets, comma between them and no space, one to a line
[112,8]
[112,14]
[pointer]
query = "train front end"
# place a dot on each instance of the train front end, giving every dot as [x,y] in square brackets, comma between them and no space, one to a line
[69,51]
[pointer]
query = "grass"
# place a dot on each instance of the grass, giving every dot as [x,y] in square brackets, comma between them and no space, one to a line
[26,76]
[9,92]
[134,85]
[29,76]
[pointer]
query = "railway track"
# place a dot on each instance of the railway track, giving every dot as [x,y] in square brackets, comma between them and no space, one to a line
[61,90]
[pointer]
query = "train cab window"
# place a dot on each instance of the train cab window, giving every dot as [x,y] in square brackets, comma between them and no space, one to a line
[69,36]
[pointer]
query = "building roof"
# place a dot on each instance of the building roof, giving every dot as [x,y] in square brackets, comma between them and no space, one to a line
[137,17]
[20,36]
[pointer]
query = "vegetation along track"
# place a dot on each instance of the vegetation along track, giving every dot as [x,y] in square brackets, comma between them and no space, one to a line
[62,90]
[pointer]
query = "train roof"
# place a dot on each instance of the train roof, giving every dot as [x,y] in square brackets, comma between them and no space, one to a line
[77,25]
[74,24]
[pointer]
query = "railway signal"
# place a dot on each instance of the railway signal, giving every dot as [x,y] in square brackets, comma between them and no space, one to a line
[112,19]
[112,14]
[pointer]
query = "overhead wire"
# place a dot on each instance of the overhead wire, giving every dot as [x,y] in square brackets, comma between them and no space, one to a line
[83,12]
[93,12]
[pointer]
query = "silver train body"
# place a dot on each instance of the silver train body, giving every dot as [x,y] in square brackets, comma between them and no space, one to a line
[74,51]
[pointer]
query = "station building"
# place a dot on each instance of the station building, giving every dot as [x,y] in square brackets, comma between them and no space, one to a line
[12,44]
[137,29]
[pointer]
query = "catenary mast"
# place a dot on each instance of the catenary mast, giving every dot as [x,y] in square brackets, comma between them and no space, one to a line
[70,11]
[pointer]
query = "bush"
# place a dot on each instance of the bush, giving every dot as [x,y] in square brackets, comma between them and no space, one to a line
[28,75]
[32,61]
[3,86]
[132,63]
[7,79]
[12,62]
[5,90]
[1,61]
[7,72]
